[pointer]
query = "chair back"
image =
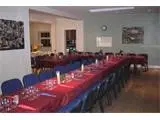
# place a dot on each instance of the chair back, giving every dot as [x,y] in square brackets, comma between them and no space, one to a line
[62,69]
[112,79]
[144,55]
[73,106]
[74,66]
[52,54]
[91,60]
[101,90]
[77,108]
[30,79]
[60,54]
[44,75]
[11,86]
[109,53]
[84,62]
[89,99]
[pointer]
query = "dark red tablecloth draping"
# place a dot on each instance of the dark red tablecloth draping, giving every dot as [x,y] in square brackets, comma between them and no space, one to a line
[63,93]
[51,61]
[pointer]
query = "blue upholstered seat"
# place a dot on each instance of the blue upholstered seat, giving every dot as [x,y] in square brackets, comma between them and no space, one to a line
[46,75]
[11,86]
[30,79]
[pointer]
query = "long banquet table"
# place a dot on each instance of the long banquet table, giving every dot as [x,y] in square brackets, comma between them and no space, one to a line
[52,61]
[52,99]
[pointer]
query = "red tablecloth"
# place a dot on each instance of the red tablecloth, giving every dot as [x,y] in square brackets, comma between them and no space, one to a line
[51,61]
[65,92]
[137,59]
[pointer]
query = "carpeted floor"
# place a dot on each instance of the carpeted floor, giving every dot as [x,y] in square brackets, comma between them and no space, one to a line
[141,94]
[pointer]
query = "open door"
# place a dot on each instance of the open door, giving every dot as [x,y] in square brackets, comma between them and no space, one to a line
[70,40]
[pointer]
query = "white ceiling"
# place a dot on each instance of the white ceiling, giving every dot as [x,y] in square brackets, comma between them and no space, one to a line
[80,11]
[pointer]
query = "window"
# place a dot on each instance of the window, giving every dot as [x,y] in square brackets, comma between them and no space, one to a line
[45,39]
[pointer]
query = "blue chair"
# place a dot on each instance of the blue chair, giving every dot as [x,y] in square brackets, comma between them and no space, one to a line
[30,79]
[91,60]
[90,99]
[74,106]
[62,69]
[108,87]
[113,83]
[73,66]
[77,108]
[11,86]
[84,102]
[84,62]
[76,65]
[44,75]
[69,67]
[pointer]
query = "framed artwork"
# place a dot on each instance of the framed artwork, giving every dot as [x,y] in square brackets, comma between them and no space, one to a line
[11,34]
[132,35]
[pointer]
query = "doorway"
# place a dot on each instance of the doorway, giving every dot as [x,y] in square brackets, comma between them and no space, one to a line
[70,40]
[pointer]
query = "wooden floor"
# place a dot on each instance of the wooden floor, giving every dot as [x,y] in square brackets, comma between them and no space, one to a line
[141,94]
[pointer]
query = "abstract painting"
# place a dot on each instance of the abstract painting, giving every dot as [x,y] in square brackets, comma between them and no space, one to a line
[132,35]
[11,34]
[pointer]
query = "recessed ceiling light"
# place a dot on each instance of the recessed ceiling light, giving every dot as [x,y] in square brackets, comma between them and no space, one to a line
[110,9]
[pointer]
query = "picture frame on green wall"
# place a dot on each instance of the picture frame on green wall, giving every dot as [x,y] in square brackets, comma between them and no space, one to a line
[132,35]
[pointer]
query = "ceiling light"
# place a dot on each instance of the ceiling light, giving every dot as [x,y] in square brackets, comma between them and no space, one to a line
[110,9]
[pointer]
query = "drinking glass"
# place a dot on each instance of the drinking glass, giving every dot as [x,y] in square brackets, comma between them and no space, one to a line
[6,104]
[26,92]
[15,101]
[55,82]
[1,105]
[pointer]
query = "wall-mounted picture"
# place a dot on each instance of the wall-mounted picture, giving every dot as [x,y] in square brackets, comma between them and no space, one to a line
[132,35]
[11,34]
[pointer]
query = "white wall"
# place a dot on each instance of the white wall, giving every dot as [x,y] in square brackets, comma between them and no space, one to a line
[45,18]
[58,25]
[159,16]
[63,24]
[15,63]
[35,29]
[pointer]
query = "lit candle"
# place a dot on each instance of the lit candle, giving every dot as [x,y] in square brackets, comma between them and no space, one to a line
[72,75]
[58,77]
[82,67]
[96,62]
[107,57]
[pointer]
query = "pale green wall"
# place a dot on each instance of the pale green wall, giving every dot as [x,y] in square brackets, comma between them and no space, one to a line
[115,22]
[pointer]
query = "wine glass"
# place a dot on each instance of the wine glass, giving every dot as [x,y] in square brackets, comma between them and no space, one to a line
[49,84]
[37,92]
[6,102]
[15,101]
[1,105]
[26,92]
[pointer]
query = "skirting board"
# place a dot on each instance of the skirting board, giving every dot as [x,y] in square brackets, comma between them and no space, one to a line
[154,66]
